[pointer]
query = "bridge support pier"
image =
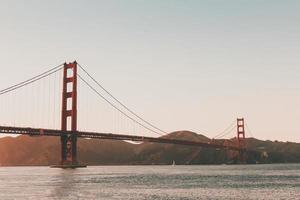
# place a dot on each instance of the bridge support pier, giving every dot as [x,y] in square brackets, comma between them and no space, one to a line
[69,118]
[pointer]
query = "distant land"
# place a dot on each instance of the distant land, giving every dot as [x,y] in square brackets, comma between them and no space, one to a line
[43,151]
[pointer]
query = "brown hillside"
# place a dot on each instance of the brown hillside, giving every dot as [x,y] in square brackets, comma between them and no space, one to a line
[26,150]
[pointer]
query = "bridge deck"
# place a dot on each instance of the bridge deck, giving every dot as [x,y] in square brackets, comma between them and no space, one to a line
[95,135]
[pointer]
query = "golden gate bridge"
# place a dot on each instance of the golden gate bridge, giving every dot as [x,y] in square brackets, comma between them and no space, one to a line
[69,132]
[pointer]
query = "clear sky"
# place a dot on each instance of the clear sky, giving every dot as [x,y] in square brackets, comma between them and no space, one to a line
[192,65]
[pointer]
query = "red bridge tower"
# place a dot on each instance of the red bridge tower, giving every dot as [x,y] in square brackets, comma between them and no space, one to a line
[69,117]
[241,132]
[241,139]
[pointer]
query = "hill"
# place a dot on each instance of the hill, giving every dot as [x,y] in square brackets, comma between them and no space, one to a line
[31,151]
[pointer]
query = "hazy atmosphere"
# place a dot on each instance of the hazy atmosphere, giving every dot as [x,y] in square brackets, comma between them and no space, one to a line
[183,65]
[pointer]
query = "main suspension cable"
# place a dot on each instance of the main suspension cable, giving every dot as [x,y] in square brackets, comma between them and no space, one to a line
[31,80]
[115,107]
[124,106]
[226,131]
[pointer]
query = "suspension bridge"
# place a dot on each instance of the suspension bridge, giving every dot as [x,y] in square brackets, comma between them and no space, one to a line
[17,110]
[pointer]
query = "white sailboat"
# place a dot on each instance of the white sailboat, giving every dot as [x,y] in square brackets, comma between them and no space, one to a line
[173,164]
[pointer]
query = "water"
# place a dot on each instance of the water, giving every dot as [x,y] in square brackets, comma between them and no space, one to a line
[152,182]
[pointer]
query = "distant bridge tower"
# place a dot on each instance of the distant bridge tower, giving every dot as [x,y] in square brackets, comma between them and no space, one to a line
[241,142]
[241,132]
[69,117]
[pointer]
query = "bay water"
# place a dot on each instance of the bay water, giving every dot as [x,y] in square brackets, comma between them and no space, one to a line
[278,181]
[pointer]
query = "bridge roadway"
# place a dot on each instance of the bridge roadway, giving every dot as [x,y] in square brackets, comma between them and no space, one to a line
[111,136]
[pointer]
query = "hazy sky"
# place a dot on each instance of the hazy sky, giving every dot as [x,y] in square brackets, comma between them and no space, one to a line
[192,65]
